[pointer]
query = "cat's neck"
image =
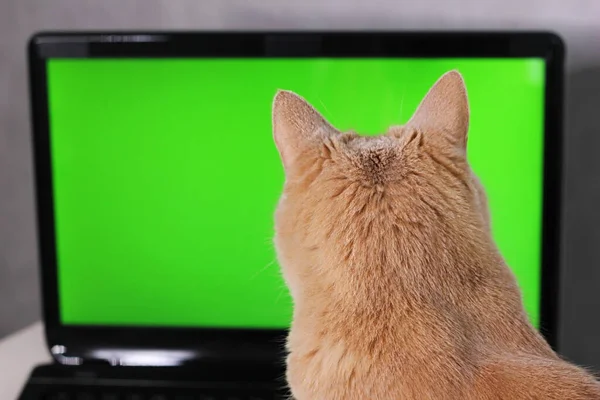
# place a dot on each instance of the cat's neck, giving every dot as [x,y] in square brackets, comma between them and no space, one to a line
[408,268]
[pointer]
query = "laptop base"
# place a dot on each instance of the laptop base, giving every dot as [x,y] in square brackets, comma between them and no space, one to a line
[103,382]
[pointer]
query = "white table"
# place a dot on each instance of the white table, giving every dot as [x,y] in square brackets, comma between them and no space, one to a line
[19,353]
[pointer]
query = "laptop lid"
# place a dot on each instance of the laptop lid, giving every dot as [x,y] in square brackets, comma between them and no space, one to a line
[156,175]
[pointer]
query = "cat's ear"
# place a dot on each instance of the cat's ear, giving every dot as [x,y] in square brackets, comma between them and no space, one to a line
[445,110]
[297,126]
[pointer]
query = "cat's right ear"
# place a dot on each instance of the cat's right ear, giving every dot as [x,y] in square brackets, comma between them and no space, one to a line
[298,128]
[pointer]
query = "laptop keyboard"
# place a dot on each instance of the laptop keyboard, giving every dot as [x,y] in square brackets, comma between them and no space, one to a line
[101,393]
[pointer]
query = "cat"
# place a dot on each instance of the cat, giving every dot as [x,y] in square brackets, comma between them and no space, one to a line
[399,290]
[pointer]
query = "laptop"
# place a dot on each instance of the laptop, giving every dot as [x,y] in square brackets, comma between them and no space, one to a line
[157,177]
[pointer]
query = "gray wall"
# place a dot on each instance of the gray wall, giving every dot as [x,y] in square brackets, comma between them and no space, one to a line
[576,21]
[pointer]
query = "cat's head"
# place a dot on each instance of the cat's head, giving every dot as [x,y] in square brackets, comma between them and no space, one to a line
[354,203]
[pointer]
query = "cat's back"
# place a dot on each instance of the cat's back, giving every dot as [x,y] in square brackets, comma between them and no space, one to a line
[337,373]
[525,376]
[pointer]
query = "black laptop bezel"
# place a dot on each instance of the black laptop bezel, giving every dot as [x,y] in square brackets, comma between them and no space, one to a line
[82,341]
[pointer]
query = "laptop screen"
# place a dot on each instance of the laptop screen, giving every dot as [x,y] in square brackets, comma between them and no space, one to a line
[165,175]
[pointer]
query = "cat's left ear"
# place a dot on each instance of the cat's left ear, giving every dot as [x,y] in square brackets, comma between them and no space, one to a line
[445,110]
[298,129]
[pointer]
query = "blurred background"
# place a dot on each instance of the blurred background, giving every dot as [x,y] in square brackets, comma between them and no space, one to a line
[576,21]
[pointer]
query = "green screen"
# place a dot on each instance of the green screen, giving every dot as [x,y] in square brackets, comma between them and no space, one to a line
[166,176]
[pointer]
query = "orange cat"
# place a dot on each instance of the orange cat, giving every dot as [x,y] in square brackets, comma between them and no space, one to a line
[399,290]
